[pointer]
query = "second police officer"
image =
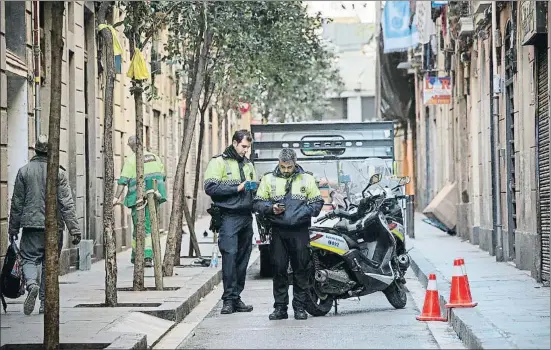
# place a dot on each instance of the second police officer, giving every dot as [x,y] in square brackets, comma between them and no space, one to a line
[288,198]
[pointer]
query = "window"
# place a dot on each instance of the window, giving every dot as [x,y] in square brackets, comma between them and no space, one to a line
[71,16]
[16,29]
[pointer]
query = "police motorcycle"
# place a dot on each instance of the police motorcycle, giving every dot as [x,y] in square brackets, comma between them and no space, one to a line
[361,254]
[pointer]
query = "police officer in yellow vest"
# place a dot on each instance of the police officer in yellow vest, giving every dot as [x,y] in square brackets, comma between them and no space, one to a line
[289,197]
[153,170]
[230,181]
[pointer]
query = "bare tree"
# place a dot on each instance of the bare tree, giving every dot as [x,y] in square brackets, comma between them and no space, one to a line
[137,91]
[142,21]
[192,61]
[175,225]
[109,244]
[51,327]
[207,96]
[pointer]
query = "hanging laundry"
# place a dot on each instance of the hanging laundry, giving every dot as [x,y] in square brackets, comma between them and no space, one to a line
[117,49]
[398,34]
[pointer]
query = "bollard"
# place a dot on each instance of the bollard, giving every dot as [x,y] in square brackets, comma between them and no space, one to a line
[410,216]
[85,249]
[155,239]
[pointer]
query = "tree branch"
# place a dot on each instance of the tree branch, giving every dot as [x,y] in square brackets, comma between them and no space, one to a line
[155,25]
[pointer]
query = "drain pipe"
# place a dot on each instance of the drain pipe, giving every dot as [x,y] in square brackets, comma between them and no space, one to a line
[497,234]
[36,55]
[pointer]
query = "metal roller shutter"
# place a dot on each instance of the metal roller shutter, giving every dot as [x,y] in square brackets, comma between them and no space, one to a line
[544,182]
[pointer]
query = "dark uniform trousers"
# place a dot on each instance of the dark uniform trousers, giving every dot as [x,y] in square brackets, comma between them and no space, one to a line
[235,244]
[290,244]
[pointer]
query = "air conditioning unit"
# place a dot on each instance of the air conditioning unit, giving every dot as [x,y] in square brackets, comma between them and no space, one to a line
[467,26]
[481,6]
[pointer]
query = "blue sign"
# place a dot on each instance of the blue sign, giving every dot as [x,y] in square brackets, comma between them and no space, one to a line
[439,3]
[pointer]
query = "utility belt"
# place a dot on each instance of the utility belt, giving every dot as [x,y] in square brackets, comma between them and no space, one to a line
[218,213]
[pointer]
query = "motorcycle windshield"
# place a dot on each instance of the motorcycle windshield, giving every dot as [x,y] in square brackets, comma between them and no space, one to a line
[348,177]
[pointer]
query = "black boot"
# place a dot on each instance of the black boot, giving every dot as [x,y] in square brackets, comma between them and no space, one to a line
[279,313]
[227,308]
[240,306]
[300,314]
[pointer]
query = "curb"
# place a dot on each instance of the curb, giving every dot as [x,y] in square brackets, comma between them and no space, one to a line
[471,327]
[129,341]
[177,310]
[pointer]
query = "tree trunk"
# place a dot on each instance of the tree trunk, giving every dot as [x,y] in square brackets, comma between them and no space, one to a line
[51,327]
[197,178]
[137,91]
[175,225]
[110,248]
[193,62]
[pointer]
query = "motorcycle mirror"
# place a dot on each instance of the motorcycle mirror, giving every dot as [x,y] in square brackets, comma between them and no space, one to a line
[375,178]
[404,180]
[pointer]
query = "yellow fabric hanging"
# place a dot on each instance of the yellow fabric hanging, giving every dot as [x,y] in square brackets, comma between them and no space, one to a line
[117,49]
[138,67]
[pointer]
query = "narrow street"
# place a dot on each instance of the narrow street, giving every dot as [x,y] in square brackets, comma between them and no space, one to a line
[369,323]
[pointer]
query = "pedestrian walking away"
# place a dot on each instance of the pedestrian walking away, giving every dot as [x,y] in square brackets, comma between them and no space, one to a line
[288,198]
[230,181]
[154,170]
[28,214]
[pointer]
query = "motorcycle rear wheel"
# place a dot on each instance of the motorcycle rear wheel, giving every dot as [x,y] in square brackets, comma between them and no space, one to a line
[316,306]
[396,295]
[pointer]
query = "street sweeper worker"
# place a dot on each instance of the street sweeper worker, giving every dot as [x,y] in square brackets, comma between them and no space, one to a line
[154,170]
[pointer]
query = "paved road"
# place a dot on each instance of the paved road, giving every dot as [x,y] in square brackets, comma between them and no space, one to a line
[369,323]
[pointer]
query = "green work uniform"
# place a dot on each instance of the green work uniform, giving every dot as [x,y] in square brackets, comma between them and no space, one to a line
[154,170]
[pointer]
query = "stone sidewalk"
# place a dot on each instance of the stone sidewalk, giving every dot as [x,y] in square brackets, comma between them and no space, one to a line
[513,309]
[141,318]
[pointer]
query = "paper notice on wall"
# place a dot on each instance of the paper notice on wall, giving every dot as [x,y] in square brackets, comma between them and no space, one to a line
[437,91]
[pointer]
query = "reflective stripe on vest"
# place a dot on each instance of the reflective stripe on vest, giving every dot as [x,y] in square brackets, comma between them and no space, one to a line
[228,169]
[273,186]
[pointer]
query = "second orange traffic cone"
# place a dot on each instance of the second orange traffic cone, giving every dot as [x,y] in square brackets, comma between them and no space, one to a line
[460,292]
[431,308]
[464,269]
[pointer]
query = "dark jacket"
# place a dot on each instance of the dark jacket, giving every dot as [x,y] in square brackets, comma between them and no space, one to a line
[28,202]
[299,193]
[222,178]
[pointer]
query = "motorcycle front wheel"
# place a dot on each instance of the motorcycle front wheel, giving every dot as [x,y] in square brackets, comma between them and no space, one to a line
[396,295]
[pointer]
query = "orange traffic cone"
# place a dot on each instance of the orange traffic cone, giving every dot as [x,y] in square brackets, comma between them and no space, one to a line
[464,269]
[431,308]
[460,293]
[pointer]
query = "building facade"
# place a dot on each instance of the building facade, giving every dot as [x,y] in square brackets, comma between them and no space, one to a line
[492,140]
[81,138]
[354,44]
